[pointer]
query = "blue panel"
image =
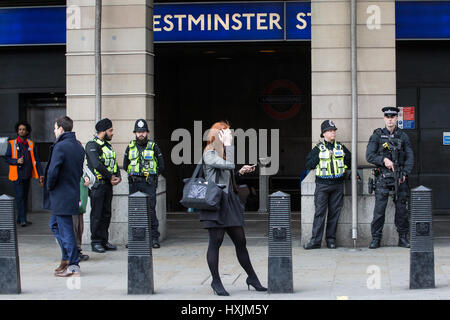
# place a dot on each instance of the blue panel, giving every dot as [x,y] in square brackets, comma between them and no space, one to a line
[233,21]
[422,20]
[23,26]
[219,22]
[298,20]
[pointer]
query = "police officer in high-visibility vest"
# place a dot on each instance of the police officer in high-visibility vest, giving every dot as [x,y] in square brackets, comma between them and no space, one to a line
[330,160]
[101,160]
[380,152]
[143,161]
[24,164]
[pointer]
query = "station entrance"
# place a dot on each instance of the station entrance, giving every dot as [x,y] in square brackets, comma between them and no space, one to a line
[425,86]
[251,85]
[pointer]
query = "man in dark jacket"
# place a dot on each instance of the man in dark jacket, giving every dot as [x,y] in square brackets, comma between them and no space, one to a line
[330,159]
[62,193]
[380,152]
[23,160]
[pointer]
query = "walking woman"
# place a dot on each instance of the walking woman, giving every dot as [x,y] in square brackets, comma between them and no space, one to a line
[218,158]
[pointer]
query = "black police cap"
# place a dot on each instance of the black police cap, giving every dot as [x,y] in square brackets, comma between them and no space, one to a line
[140,125]
[390,111]
[327,125]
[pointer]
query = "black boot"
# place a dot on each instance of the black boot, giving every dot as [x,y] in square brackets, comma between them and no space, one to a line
[375,243]
[403,240]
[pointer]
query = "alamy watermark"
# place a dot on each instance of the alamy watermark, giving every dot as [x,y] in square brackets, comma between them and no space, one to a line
[373,22]
[189,150]
[73,17]
[374,279]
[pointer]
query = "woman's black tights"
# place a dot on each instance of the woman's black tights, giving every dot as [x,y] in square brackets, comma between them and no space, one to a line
[237,235]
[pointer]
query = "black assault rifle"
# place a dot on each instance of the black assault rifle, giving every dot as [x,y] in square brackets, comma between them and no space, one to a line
[394,146]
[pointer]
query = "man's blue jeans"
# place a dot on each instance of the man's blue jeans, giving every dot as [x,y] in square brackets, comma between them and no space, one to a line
[62,228]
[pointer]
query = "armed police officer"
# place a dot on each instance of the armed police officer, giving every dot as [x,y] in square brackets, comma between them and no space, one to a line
[330,159]
[143,161]
[390,150]
[101,160]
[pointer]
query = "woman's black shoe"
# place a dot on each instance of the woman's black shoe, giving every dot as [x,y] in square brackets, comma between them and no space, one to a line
[255,284]
[219,289]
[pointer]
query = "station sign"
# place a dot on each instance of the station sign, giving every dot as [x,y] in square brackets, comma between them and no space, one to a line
[446,138]
[253,21]
[218,22]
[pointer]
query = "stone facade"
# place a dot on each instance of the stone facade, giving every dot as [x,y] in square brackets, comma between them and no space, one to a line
[118,230]
[331,95]
[127,87]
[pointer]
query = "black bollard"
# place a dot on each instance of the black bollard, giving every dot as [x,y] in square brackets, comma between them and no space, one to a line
[140,261]
[422,250]
[280,244]
[9,253]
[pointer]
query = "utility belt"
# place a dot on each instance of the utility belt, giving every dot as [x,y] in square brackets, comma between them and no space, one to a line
[144,177]
[99,182]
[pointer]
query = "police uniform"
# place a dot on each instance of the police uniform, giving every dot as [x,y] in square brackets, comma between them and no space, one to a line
[377,150]
[330,160]
[144,162]
[101,160]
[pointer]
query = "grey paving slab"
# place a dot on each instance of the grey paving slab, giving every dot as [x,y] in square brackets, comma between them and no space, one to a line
[181,272]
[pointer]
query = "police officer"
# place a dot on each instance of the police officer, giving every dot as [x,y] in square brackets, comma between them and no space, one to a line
[380,153]
[330,159]
[101,160]
[143,161]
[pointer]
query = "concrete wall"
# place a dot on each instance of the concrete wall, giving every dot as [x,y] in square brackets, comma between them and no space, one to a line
[366,203]
[127,68]
[331,93]
[127,87]
[330,64]
[118,230]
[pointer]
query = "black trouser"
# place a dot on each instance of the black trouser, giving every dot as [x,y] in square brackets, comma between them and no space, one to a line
[381,200]
[101,197]
[150,189]
[331,198]
[22,187]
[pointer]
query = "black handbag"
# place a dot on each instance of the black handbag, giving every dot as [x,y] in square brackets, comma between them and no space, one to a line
[199,193]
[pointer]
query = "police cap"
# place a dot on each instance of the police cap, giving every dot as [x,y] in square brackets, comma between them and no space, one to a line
[140,125]
[327,125]
[390,111]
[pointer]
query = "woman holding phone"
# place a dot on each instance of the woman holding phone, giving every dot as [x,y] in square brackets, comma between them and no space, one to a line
[218,158]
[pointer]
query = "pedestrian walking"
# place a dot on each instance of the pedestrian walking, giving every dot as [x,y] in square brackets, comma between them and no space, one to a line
[218,157]
[62,193]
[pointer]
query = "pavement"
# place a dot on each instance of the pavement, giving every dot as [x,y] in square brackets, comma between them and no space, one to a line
[181,272]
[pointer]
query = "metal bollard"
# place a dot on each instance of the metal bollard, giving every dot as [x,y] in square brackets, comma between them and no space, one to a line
[9,253]
[422,249]
[280,244]
[140,260]
[263,184]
